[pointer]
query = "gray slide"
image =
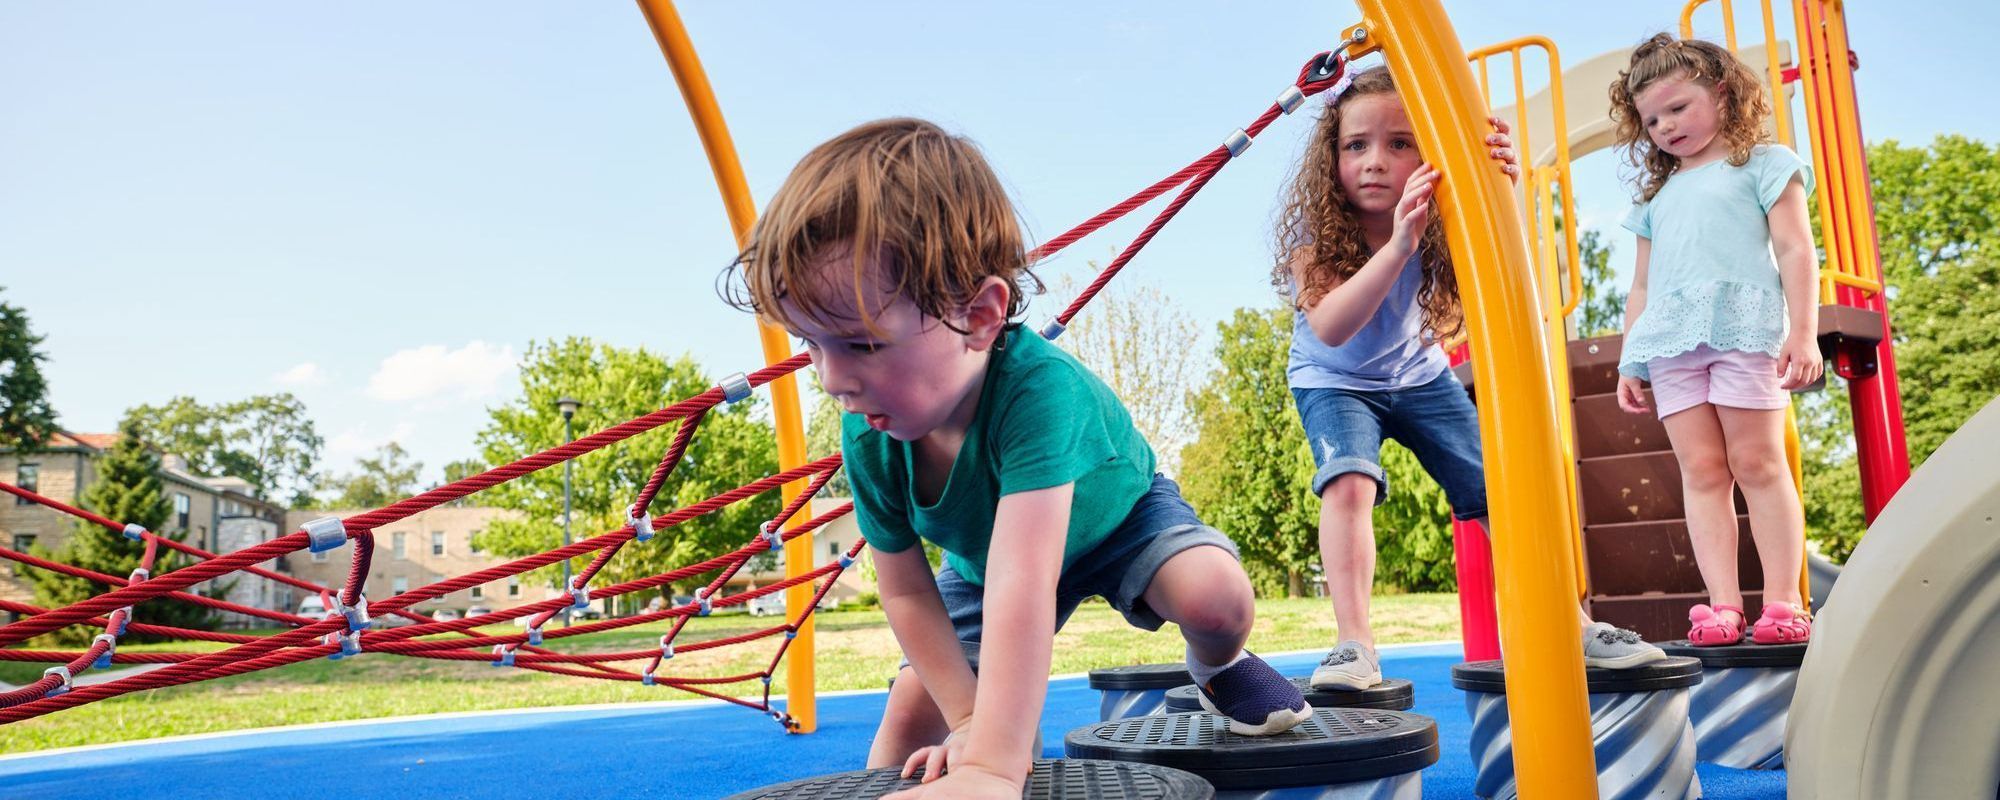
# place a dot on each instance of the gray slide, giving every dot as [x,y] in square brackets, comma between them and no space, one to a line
[1899,695]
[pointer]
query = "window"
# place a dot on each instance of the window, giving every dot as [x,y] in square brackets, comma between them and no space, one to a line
[22,541]
[29,477]
[396,546]
[833,549]
[181,505]
[400,585]
[478,592]
[514,587]
[437,543]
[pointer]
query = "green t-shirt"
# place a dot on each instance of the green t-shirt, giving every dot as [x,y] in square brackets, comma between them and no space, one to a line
[1043,420]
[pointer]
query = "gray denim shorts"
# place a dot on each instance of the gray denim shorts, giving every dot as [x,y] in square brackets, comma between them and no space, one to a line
[1160,526]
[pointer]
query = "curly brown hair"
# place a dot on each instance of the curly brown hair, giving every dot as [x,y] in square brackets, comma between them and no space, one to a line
[904,188]
[1318,221]
[1745,105]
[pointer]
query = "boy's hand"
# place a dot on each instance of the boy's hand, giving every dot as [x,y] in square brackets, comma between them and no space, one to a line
[970,781]
[1503,149]
[1799,362]
[1631,395]
[937,759]
[1413,212]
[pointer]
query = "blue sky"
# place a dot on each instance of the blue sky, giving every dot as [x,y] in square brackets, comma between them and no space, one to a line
[378,206]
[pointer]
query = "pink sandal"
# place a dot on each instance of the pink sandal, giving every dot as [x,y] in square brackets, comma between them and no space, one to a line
[1711,629]
[1782,623]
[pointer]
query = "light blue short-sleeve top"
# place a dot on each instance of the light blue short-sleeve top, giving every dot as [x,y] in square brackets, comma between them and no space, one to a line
[1392,350]
[1711,278]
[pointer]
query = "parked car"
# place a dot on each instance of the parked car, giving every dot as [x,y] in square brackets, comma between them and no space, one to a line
[478,611]
[773,603]
[311,607]
[446,615]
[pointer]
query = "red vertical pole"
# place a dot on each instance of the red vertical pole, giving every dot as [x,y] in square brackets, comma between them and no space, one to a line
[1478,611]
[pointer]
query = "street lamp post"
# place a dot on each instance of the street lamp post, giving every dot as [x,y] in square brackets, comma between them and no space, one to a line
[568,406]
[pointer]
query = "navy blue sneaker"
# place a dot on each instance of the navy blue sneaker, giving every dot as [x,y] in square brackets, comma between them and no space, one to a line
[1256,699]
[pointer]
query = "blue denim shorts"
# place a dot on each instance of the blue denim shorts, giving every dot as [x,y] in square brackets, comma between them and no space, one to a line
[1436,421]
[1160,526]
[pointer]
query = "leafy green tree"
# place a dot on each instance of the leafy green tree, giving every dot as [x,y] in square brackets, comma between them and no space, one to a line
[823,439]
[127,489]
[733,446]
[1137,340]
[26,418]
[1602,311]
[267,439]
[386,477]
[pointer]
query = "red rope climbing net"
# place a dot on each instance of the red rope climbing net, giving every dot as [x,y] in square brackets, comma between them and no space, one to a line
[345,631]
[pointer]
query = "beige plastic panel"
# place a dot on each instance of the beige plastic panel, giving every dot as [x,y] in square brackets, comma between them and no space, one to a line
[1587,97]
[1900,692]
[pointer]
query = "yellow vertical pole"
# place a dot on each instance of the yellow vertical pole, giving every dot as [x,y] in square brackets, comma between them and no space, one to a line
[1546,703]
[707,114]
[1781,107]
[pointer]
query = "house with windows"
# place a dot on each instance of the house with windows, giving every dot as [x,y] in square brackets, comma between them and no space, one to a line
[829,542]
[427,547]
[214,514]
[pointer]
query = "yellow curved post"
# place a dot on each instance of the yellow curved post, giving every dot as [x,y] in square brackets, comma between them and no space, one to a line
[700,98]
[1546,702]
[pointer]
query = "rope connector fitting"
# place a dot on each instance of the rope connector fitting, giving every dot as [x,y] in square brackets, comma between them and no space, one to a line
[579,597]
[326,532]
[357,614]
[1238,141]
[1054,329]
[646,678]
[772,540]
[125,622]
[139,575]
[61,671]
[535,636]
[110,647]
[735,387]
[135,532]
[666,647]
[846,561]
[349,641]
[1290,99]
[642,524]
[701,599]
[502,657]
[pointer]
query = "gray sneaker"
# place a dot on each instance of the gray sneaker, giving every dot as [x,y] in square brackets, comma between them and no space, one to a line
[1350,667]
[1611,647]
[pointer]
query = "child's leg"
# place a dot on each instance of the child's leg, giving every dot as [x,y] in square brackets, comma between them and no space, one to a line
[909,722]
[1204,591]
[1756,448]
[1707,482]
[1347,549]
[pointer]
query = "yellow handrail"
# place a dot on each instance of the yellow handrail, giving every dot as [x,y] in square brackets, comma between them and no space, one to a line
[707,114]
[1518,420]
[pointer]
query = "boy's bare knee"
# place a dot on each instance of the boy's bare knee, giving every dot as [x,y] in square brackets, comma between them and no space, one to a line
[1221,608]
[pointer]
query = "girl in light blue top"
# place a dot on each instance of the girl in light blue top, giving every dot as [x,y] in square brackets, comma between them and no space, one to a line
[1362,258]
[1722,315]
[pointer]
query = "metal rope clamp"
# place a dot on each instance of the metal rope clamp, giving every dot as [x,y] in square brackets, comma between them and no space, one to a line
[139,575]
[642,524]
[846,561]
[735,387]
[579,597]
[666,647]
[326,532]
[1237,142]
[135,532]
[772,540]
[349,641]
[357,614]
[126,622]
[535,636]
[1054,329]
[110,647]
[701,597]
[502,657]
[60,671]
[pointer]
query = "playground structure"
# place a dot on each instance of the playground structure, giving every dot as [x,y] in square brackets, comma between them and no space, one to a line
[1854,729]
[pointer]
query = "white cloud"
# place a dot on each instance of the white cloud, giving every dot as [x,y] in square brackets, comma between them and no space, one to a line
[306,374]
[363,440]
[431,372]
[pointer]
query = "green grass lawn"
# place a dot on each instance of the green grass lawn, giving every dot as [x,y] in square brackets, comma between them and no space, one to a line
[855,651]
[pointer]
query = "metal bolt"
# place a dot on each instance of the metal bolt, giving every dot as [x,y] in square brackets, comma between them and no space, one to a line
[1360,35]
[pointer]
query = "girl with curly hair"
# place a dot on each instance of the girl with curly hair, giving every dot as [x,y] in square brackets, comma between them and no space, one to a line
[1362,257]
[1721,317]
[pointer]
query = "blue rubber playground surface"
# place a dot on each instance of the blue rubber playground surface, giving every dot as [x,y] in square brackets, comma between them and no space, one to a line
[655,750]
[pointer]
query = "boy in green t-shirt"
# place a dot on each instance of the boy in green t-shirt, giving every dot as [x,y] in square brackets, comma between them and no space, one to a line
[892,250]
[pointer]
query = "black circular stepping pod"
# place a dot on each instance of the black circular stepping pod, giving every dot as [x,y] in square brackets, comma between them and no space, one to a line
[1335,746]
[1394,694]
[1781,656]
[1670,673]
[1052,779]
[1140,676]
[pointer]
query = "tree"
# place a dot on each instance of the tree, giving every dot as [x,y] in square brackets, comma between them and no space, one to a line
[127,489]
[388,476]
[1141,343]
[1602,311]
[460,470]
[26,418]
[267,439]
[732,447]
[823,439]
